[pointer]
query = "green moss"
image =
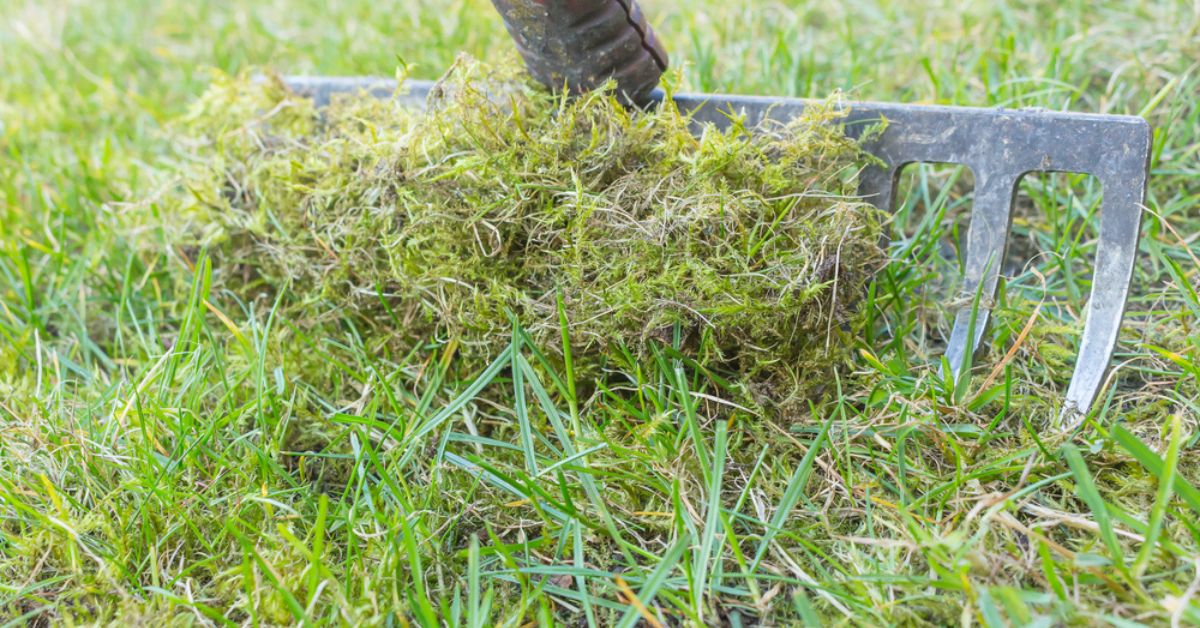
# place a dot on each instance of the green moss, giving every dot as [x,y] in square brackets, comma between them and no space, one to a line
[499,198]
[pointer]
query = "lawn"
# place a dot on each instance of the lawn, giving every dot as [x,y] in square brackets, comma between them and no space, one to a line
[173,451]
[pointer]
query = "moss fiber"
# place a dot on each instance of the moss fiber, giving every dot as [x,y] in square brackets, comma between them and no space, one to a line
[500,201]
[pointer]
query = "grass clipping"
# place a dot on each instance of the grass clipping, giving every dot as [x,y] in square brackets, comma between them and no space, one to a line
[498,200]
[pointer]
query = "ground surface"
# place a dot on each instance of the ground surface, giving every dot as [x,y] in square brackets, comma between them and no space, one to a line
[148,470]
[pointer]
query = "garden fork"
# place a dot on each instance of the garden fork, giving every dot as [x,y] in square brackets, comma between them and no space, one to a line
[581,44]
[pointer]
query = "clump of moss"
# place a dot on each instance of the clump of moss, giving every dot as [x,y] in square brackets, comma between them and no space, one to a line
[499,200]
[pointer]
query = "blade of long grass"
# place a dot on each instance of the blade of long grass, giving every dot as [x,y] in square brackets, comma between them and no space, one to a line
[519,405]
[580,557]
[496,479]
[204,609]
[1155,465]
[709,541]
[418,596]
[289,599]
[590,487]
[568,363]
[468,395]
[793,492]
[1085,488]
[656,579]
[1162,500]
[475,618]
[691,420]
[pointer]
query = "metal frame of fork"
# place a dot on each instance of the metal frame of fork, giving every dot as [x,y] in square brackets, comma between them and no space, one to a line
[999,146]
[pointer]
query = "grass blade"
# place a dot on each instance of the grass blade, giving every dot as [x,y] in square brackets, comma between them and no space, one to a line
[519,406]
[1155,465]
[1162,500]
[656,580]
[710,543]
[457,404]
[791,495]
[1086,489]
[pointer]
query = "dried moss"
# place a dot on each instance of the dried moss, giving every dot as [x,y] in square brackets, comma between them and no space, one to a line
[499,198]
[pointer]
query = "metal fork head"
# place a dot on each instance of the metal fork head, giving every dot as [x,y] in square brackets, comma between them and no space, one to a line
[999,146]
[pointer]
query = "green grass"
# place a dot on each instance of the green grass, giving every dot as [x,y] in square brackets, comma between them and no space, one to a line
[150,468]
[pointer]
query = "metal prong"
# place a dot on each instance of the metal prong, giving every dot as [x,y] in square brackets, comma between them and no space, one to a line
[987,239]
[877,185]
[1120,223]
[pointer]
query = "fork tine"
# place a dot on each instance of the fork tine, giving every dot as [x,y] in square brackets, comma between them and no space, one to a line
[987,239]
[1120,224]
[877,185]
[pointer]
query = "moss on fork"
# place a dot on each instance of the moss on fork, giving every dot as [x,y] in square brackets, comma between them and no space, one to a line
[498,199]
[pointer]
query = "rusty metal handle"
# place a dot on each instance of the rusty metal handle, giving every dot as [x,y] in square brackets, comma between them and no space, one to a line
[583,43]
